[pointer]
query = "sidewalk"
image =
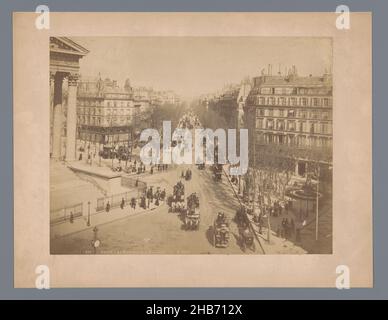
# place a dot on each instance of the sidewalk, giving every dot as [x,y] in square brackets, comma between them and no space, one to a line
[98,218]
[105,169]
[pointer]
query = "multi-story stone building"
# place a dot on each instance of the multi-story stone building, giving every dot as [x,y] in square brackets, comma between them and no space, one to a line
[291,118]
[105,113]
[65,55]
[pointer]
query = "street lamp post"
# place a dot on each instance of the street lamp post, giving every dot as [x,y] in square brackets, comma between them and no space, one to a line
[95,241]
[88,224]
[269,218]
[307,209]
[269,227]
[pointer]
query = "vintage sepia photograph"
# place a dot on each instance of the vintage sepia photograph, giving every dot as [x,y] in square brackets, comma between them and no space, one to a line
[147,133]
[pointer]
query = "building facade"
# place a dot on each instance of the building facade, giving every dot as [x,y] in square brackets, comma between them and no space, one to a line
[105,113]
[230,104]
[64,73]
[291,117]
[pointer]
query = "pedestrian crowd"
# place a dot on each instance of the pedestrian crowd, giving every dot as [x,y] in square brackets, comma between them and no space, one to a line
[148,197]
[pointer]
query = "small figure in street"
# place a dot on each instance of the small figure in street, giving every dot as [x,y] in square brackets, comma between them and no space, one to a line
[152,170]
[80,156]
[283,229]
[157,195]
[143,202]
[133,203]
[163,195]
[122,203]
[149,194]
[107,208]
[71,217]
[278,232]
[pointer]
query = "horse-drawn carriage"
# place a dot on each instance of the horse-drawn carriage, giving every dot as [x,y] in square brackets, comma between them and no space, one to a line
[201,166]
[179,207]
[188,175]
[246,237]
[221,231]
[241,216]
[246,234]
[179,191]
[192,217]
[176,200]
[217,172]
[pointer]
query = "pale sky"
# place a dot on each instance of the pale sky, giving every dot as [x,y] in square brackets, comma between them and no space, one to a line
[191,66]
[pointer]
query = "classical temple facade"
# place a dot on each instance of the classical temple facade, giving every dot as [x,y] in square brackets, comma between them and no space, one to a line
[64,73]
[105,112]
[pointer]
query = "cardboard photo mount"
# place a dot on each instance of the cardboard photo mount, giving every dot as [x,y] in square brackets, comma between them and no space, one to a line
[352,157]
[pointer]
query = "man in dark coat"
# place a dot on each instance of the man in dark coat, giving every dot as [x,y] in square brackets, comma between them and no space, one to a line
[133,203]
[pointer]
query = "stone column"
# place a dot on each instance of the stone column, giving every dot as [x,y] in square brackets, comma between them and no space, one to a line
[71,121]
[57,116]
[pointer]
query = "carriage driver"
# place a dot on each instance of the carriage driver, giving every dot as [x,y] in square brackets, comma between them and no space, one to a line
[220,217]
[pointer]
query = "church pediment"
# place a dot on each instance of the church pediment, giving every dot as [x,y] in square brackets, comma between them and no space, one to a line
[66,45]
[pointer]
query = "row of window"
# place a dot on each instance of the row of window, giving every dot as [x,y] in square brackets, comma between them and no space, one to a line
[99,138]
[298,140]
[294,101]
[98,111]
[295,90]
[104,121]
[102,103]
[300,126]
[294,113]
